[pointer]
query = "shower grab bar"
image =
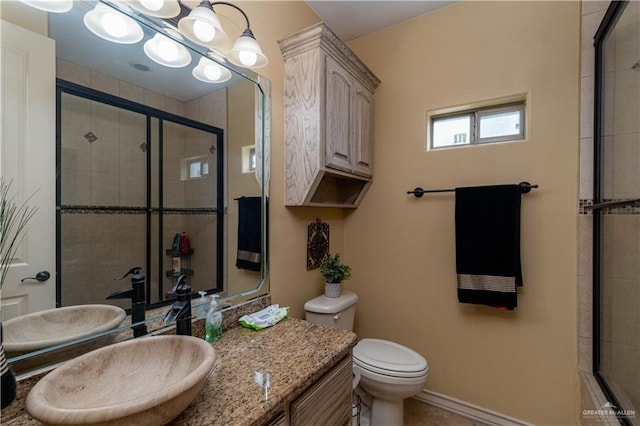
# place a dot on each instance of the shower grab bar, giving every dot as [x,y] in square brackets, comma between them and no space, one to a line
[616,203]
[525,187]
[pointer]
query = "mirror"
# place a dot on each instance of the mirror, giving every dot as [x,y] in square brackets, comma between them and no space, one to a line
[155,169]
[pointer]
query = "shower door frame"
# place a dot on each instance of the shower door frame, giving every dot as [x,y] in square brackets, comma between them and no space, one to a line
[613,13]
[67,87]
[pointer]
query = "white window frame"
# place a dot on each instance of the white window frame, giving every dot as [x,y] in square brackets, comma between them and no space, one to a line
[474,130]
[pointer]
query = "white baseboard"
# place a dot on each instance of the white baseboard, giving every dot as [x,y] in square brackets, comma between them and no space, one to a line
[468,410]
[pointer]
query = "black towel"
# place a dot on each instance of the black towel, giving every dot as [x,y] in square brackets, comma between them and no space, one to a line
[249,233]
[488,245]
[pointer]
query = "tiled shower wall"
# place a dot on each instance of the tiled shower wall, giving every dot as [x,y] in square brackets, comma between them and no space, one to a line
[111,172]
[621,226]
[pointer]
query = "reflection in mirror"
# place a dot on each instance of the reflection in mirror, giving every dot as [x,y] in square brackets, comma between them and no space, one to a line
[154,169]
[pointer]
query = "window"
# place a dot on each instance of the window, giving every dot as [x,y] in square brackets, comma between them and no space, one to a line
[483,125]
[194,168]
[249,159]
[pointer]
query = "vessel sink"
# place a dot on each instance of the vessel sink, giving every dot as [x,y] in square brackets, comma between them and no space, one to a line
[55,326]
[144,381]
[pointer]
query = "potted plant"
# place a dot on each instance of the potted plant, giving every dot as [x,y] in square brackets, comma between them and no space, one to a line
[334,272]
[14,218]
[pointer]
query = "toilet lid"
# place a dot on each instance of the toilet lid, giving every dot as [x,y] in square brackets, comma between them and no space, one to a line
[392,359]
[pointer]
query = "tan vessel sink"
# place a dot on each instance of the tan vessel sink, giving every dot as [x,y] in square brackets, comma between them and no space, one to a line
[55,326]
[144,381]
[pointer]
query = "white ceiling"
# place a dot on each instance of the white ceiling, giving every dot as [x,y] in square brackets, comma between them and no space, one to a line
[352,19]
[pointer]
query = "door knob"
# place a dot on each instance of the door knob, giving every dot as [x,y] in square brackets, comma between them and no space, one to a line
[40,276]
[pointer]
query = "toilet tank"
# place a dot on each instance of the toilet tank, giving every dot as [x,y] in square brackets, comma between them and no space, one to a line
[337,312]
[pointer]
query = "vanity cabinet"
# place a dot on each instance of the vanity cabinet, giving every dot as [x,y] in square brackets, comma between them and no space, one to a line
[328,120]
[326,402]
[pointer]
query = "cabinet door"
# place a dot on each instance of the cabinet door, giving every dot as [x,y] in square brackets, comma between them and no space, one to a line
[328,402]
[338,117]
[362,140]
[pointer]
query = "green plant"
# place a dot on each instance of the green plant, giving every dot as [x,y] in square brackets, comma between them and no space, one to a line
[14,218]
[333,270]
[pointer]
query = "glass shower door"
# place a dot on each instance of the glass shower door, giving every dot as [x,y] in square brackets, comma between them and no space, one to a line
[132,180]
[102,213]
[617,209]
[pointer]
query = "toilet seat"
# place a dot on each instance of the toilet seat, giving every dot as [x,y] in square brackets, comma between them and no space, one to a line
[389,358]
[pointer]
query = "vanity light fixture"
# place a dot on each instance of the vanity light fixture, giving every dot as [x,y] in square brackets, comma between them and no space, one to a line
[112,25]
[54,6]
[165,51]
[246,51]
[202,26]
[210,71]
[157,8]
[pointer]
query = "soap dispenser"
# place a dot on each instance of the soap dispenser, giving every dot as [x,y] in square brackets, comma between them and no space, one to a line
[201,310]
[213,323]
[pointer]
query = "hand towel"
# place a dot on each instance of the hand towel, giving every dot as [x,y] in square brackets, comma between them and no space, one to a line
[488,245]
[249,233]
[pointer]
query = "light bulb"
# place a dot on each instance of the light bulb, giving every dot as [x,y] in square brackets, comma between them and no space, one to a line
[154,5]
[248,59]
[209,71]
[212,72]
[204,31]
[167,49]
[114,24]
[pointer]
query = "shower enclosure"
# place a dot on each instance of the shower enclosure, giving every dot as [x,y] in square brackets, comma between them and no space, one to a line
[131,178]
[616,210]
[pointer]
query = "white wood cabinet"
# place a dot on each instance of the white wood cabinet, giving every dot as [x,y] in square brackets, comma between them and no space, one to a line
[328,120]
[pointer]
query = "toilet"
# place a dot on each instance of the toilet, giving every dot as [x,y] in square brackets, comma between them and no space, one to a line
[388,372]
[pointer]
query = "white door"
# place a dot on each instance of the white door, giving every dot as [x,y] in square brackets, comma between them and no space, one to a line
[28,159]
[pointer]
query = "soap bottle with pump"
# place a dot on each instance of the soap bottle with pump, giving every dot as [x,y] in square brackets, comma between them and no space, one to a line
[213,322]
[201,311]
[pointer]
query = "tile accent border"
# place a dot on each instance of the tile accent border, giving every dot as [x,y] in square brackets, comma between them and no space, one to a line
[584,203]
[91,210]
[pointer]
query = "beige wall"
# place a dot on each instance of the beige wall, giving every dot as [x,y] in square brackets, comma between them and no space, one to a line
[521,363]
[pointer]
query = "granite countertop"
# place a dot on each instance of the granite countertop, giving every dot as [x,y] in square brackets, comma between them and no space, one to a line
[290,356]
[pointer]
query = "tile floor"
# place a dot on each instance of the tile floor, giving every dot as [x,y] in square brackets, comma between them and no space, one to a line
[417,413]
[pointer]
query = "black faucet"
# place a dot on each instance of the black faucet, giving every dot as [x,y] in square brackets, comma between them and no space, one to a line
[180,311]
[136,294]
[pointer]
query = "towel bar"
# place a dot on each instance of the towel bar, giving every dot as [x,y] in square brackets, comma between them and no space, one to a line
[525,187]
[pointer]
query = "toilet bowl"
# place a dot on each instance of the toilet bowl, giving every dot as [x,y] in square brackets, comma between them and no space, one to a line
[388,372]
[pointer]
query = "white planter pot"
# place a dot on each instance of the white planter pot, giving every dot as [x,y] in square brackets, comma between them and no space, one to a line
[332,289]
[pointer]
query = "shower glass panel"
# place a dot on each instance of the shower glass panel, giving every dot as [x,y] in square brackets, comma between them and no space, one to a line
[188,203]
[616,208]
[132,179]
[103,168]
